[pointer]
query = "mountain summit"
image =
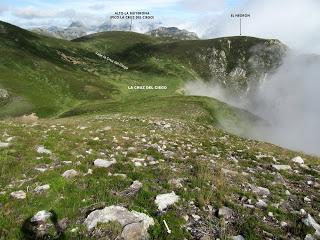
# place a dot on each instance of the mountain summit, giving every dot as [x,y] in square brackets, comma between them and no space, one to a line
[173,33]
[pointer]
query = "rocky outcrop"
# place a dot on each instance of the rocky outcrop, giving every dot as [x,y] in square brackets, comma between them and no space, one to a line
[73,31]
[238,64]
[173,33]
[135,224]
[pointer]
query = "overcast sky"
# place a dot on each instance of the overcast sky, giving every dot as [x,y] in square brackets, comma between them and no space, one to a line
[295,22]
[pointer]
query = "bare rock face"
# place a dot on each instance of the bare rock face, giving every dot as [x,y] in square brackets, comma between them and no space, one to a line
[173,33]
[135,224]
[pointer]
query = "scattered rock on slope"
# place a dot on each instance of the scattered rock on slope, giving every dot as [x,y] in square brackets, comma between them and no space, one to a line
[43,150]
[225,212]
[4,145]
[135,224]
[103,163]
[132,190]
[70,173]
[260,190]
[309,221]
[44,225]
[281,167]
[18,194]
[298,160]
[163,201]
[43,188]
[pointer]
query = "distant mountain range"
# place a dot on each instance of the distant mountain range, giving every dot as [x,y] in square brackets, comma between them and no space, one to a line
[173,33]
[78,29]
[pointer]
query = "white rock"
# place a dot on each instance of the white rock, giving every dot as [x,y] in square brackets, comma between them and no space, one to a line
[137,164]
[281,167]
[135,224]
[309,237]
[4,145]
[306,199]
[309,221]
[298,160]
[260,190]
[89,172]
[165,200]
[41,169]
[225,212]
[9,139]
[18,194]
[119,175]
[196,217]
[107,128]
[67,162]
[41,216]
[43,188]
[310,183]
[103,163]
[261,204]
[74,230]
[43,150]
[239,237]
[303,212]
[177,182]
[283,224]
[70,173]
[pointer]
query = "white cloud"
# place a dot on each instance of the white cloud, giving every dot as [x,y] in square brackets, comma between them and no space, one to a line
[196,5]
[97,7]
[3,8]
[32,12]
[294,22]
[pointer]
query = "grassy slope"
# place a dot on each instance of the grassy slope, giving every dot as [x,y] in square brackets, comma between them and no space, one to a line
[69,77]
[40,80]
[201,155]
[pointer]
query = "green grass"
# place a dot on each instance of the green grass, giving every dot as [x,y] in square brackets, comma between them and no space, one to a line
[68,75]
[68,86]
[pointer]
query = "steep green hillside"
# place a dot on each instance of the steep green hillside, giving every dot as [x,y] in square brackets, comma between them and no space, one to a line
[103,151]
[67,74]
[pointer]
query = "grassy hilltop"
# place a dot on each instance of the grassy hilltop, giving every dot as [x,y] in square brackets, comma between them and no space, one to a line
[161,140]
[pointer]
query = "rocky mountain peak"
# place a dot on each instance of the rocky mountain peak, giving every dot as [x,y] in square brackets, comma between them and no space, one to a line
[174,33]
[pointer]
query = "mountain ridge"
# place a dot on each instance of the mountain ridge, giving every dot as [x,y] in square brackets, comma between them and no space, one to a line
[79,146]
